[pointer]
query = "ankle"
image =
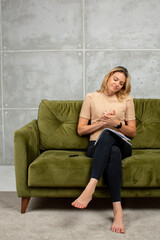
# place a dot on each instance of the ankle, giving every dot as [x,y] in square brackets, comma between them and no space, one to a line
[91,186]
[117,209]
[90,189]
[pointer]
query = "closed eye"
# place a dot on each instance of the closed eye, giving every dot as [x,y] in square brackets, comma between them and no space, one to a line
[121,83]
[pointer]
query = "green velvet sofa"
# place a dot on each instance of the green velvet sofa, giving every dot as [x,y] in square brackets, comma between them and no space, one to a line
[51,161]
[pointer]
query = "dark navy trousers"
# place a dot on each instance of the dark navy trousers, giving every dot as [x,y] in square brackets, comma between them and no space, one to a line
[107,157]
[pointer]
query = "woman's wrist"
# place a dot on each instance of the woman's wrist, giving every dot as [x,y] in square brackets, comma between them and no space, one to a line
[119,126]
[116,123]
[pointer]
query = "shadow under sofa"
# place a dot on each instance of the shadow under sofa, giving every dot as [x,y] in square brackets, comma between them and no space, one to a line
[51,161]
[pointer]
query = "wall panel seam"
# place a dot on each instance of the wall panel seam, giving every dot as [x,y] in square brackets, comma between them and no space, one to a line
[84,67]
[3,137]
[20,108]
[81,49]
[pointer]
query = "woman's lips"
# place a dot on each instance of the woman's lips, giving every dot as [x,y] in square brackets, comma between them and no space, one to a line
[115,88]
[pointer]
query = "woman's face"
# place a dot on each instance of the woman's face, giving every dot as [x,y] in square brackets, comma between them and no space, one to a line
[116,82]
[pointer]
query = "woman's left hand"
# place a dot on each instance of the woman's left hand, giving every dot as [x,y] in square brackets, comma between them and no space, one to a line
[109,119]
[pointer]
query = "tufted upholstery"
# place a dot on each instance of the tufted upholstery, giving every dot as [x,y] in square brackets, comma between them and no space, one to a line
[147,123]
[57,122]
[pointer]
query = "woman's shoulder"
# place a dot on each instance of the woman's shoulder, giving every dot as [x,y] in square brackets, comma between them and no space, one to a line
[128,98]
[92,95]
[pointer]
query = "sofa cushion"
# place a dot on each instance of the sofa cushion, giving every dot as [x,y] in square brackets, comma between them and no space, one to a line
[58,168]
[142,169]
[57,122]
[148,123]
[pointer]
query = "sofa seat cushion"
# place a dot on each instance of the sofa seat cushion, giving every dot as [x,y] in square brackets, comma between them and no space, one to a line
[142,169]
[60,168]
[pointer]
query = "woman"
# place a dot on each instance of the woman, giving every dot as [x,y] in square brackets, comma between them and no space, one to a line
[110,107]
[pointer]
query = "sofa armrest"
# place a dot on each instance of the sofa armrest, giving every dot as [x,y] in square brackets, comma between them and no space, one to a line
[26,150]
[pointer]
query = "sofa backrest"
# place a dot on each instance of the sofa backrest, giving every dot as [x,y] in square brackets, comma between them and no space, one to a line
[57,122]
[147,123]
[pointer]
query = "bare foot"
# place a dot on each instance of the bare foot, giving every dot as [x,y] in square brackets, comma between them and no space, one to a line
[83,200]
[117,225]
[86,196]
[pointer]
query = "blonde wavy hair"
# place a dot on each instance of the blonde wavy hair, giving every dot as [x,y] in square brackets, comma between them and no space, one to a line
[125,90]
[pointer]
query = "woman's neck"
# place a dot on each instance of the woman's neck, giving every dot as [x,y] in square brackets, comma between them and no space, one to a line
[108,93]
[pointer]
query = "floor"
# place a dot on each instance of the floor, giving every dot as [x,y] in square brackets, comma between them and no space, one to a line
[141,217]
[7,179]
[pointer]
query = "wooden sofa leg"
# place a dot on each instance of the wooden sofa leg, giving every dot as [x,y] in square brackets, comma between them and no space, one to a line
[24,204]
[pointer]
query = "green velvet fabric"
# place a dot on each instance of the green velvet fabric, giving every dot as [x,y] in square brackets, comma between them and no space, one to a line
[26,150]
[99,193]
[60,168]
[147,123]
[57,122]
[54,173]
[142,169]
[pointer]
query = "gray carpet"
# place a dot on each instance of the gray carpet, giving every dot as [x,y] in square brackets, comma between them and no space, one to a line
[49,218]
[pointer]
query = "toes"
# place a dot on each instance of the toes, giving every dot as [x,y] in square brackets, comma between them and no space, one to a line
[122,231]
[81,206]
[118,230]
[77,205]
[73,204]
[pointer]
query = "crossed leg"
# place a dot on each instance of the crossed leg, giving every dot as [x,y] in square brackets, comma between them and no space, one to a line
[103,155]
[86,196]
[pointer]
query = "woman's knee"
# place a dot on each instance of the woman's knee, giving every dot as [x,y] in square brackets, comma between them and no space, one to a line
[106,137]
[116,152]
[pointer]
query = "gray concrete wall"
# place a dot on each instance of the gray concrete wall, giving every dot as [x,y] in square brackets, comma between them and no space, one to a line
[62,49]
